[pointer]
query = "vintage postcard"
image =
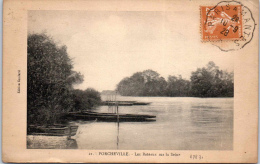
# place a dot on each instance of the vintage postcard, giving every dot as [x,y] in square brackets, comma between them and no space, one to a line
[170,81]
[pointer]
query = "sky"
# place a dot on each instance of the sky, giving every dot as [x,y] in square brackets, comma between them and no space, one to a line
[107,46]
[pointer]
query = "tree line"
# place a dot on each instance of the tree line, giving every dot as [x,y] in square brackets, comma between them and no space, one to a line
[209,81]
[50,80]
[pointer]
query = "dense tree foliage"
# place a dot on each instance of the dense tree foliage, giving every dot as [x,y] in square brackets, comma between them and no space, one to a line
[85,100]
[177,87]
[209,81]
[146,83]
[50,80]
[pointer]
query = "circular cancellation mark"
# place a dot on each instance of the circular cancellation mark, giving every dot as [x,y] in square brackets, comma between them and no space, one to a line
[229,25]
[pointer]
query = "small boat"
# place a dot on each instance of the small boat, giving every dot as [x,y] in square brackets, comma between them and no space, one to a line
[110,117]
[112,103]
[141,103]
[124,103]
[54,130]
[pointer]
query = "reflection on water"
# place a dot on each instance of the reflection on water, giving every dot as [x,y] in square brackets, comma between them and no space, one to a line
[72,144]
[181,124]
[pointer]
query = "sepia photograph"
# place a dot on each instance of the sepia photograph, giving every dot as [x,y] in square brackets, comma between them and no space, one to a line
[124,80]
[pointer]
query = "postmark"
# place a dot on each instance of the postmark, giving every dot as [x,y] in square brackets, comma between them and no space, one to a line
[229,25]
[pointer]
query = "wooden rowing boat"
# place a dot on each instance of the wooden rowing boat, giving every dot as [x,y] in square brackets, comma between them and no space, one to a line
[123,103]
[110,117]
[54,130]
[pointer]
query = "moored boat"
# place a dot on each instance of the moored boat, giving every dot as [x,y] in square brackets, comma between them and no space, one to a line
[110,117]
[54,130]
[141,103]
[124,103]
[112,103]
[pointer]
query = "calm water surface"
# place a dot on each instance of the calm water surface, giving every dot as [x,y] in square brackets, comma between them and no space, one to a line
[181,123]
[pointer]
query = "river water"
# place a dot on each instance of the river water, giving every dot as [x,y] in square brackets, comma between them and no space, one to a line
[181,124]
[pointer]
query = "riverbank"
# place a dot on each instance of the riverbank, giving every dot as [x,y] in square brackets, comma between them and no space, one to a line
[50,142]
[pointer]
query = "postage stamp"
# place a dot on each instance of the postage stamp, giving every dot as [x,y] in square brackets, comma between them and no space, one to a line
[221,22]
[227,21]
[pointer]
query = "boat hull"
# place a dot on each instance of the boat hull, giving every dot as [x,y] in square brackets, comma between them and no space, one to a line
[53,130]
[124,103]
[110,117]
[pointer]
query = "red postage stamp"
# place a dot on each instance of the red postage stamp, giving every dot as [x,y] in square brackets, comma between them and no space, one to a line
[221,22]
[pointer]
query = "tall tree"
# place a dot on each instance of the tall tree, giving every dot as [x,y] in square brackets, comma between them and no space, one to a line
[177,87]
[86,100]
[50,80]
[146,83]
[210,81]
